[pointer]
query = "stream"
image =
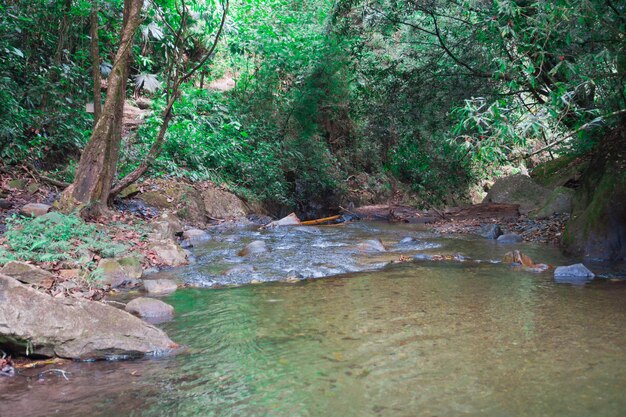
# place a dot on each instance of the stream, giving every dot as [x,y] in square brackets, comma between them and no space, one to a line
[468,336]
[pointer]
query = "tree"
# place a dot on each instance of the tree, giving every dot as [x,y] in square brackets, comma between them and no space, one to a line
[96,169]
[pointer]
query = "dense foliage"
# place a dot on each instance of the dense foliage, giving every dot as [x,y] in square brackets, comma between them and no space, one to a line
[436,94]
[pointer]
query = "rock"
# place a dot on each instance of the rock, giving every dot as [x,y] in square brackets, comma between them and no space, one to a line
[597,228]
[490,231]
[160,286]
[28,274]
[372,245]
[38,324]
[422,257]
[576,270]
[119,272]
[150,308]
[290,220]
[221,204]
[559,201]
[518,189]
[32,188]
[168,226]
[195,235]
[70,274]
[5,204]
[407,240]
[129,191]
[256,247]
[169,252]
[517,257]
[18,184]
[509,238]
[35,209]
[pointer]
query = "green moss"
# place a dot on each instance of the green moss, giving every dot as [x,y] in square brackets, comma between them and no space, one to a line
[558,171]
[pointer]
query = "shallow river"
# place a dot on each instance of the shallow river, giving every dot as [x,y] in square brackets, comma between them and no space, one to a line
[411,339]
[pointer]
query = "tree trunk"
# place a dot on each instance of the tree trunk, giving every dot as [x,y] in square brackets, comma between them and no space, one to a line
[92,183]
[95,63]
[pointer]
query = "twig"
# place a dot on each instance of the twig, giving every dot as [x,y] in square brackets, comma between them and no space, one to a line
[60,371]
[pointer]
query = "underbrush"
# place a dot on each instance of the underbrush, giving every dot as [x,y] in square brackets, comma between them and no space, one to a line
[55,237]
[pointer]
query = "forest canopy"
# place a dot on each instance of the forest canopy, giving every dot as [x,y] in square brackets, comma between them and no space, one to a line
[436,96]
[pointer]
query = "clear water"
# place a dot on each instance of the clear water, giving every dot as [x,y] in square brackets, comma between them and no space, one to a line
[412,339]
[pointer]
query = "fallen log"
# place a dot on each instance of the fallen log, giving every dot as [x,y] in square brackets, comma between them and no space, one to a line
[319,221]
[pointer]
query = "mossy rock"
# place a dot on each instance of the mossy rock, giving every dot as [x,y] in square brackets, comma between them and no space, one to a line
[18,184]
[183,199]
[518,189]
[559,201]
[559,171]
[598,226]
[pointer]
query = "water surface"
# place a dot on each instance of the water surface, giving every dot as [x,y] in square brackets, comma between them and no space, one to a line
[413,339]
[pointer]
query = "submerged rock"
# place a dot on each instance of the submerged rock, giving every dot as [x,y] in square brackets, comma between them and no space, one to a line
[160,286]
[150,308]
[239,269]
[517,258]
[372,245]
[573,271]
[490,231]
[34,323]
[256,247]
[509,238]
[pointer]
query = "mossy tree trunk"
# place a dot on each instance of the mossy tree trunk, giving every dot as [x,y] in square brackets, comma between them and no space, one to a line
[92,183]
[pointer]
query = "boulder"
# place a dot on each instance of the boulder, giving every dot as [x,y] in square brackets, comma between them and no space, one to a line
[490,231]
[169,252]
[597,228]
[372,245]
[28,274]
[167,226]
[150,308]
[221,204]
[35,323]
[508,238]
[518,189]
[256,247]
[573,271]
[160,286]
[559,201]
[290,220]
[34,209]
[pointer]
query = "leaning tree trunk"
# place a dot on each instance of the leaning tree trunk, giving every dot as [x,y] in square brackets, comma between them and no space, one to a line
[95,62]
[92,183]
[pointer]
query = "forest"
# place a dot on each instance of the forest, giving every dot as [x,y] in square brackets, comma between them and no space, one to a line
[434,96]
